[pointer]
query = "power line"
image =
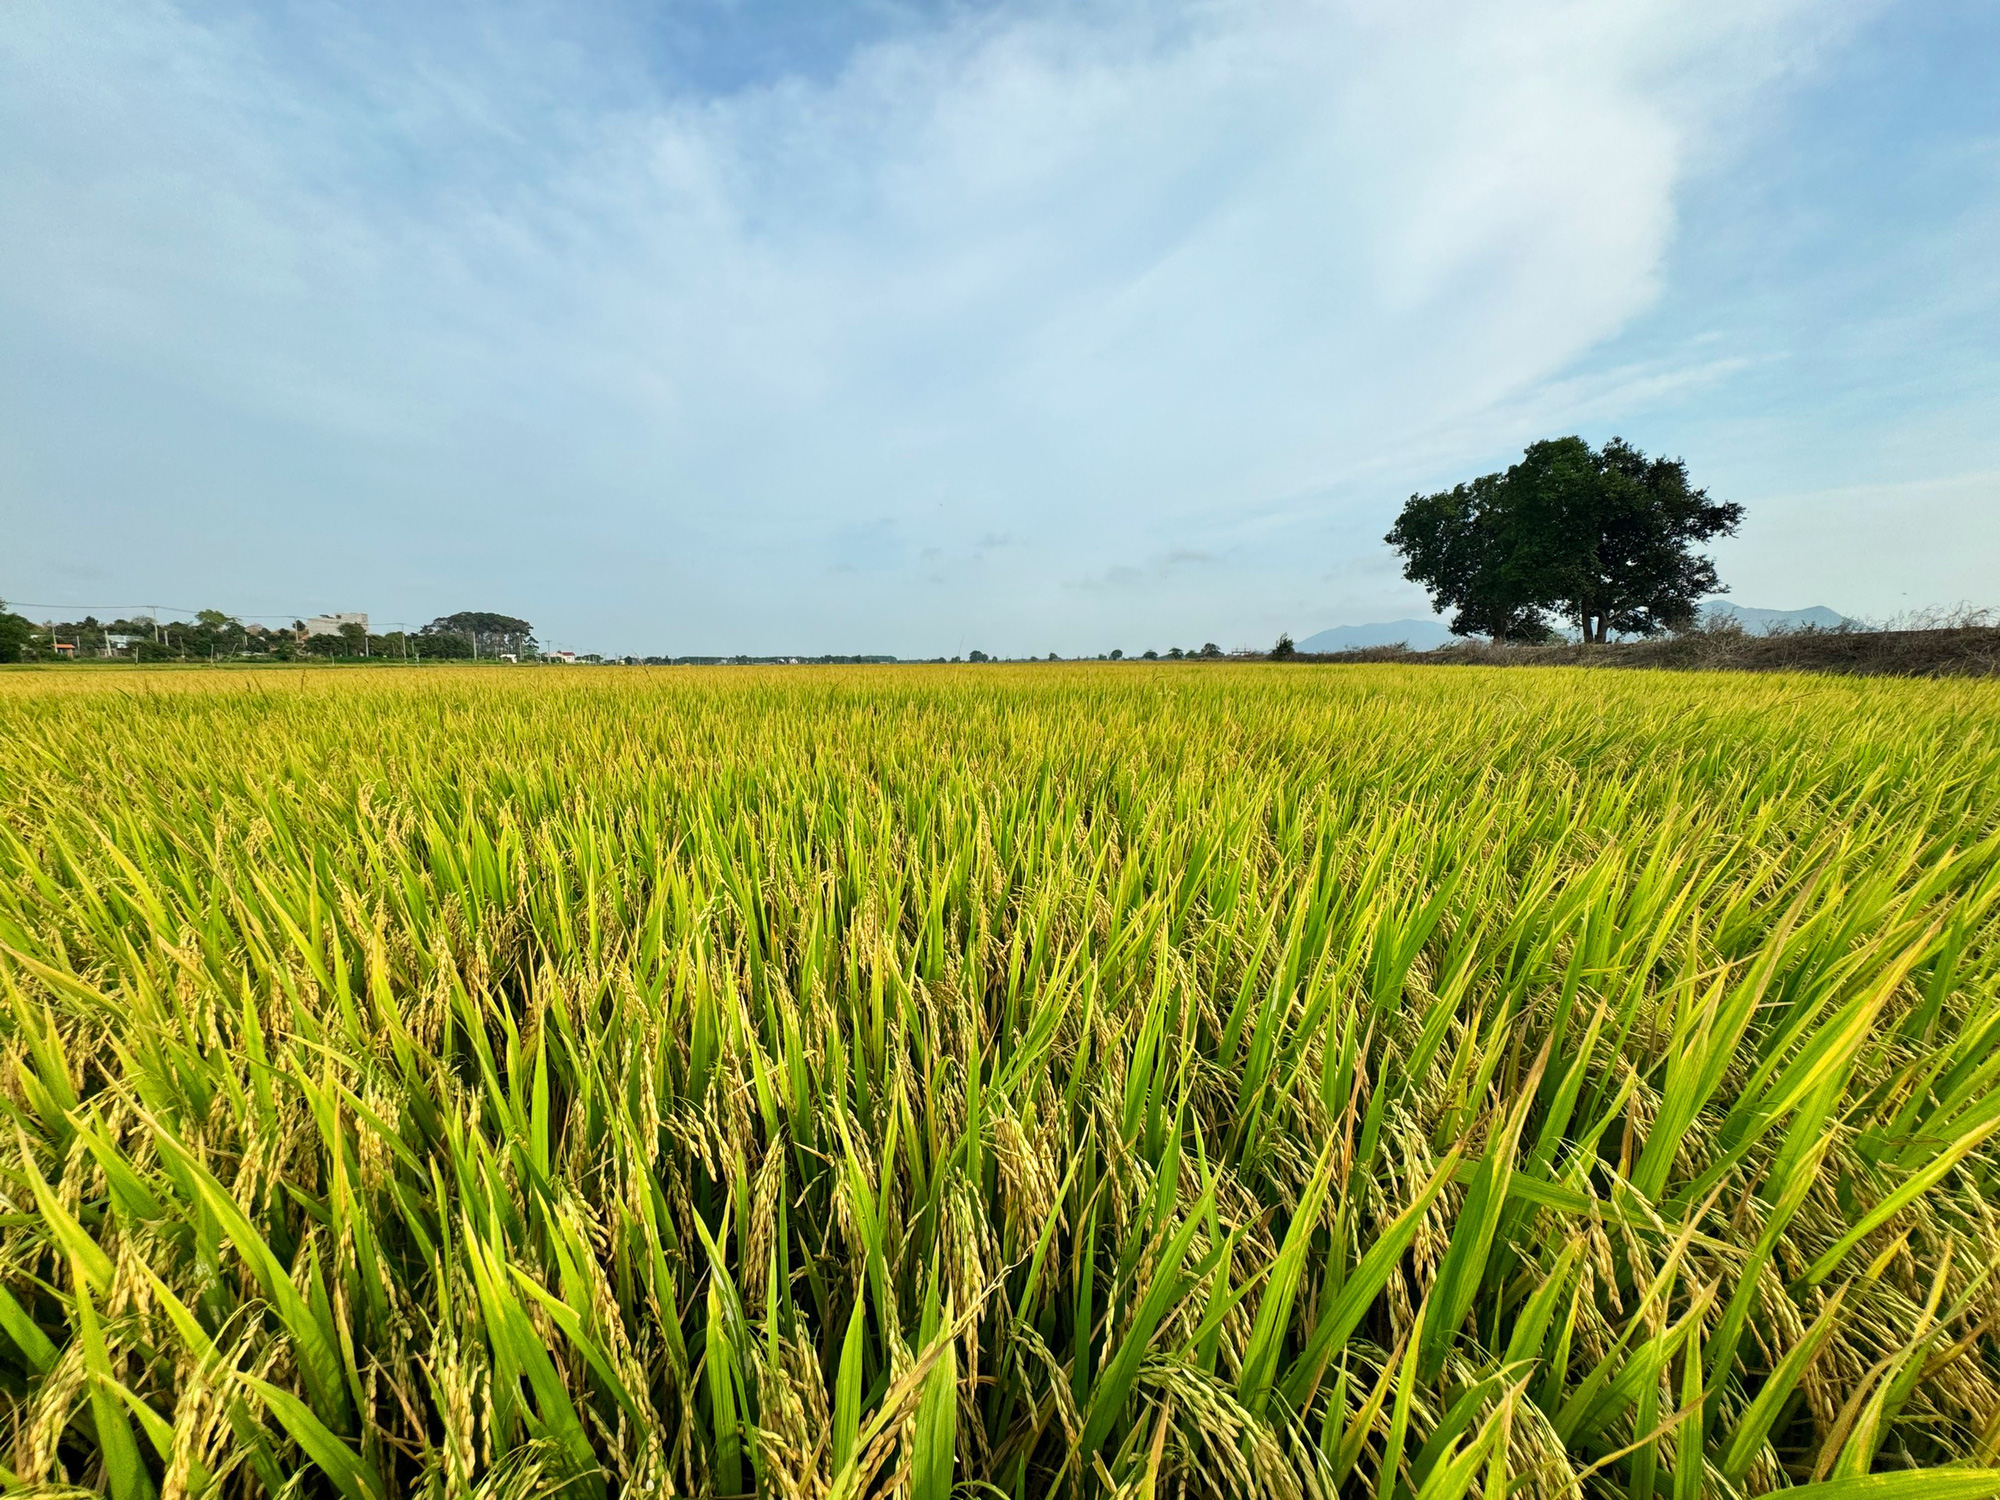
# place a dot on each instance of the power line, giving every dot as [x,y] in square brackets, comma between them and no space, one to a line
[176,608]
[180,608]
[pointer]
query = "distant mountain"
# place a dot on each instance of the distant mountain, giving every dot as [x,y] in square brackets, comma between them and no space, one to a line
[1418,635]
[1765,621]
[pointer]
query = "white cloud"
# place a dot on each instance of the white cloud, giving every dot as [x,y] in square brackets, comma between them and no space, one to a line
[1114,283]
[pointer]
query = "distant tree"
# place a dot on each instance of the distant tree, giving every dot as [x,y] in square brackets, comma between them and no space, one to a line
[1118,656]
[1054,657]
[1210,650]
[979,656]
[15,631]
[1174,653]
[214,634]
[1600,538]
[487,633]
[1151,656]
[1284,650]
[440,645]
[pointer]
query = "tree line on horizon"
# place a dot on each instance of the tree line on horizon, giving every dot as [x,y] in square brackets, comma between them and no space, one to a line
[214,634]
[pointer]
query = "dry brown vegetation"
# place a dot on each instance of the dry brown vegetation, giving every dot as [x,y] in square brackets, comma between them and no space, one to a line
[1952,651]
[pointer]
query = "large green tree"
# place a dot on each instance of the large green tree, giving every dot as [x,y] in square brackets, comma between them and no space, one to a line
[1600,538]
[488,633]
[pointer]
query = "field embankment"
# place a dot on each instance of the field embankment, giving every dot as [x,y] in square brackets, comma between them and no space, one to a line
[1972,651]
[1207,1081]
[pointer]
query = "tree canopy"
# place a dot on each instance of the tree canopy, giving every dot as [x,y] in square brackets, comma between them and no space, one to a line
[1601,539]
[486,632]
[14,633]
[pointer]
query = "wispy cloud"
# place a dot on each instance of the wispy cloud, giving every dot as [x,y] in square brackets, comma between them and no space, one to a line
[501,309]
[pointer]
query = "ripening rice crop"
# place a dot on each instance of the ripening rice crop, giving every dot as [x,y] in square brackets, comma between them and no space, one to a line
[1075,1081]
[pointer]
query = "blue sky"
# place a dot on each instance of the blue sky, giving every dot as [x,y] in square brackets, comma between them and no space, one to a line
[715,326]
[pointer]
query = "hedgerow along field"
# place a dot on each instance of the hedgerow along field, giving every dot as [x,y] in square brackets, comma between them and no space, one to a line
[997,1081]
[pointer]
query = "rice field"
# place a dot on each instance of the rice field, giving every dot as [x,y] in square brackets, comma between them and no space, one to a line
[998,1082]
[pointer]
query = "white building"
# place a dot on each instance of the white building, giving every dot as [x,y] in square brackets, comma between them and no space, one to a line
[331,624]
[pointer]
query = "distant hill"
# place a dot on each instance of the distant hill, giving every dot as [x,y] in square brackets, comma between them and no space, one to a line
[1418,635]
[1765,621]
